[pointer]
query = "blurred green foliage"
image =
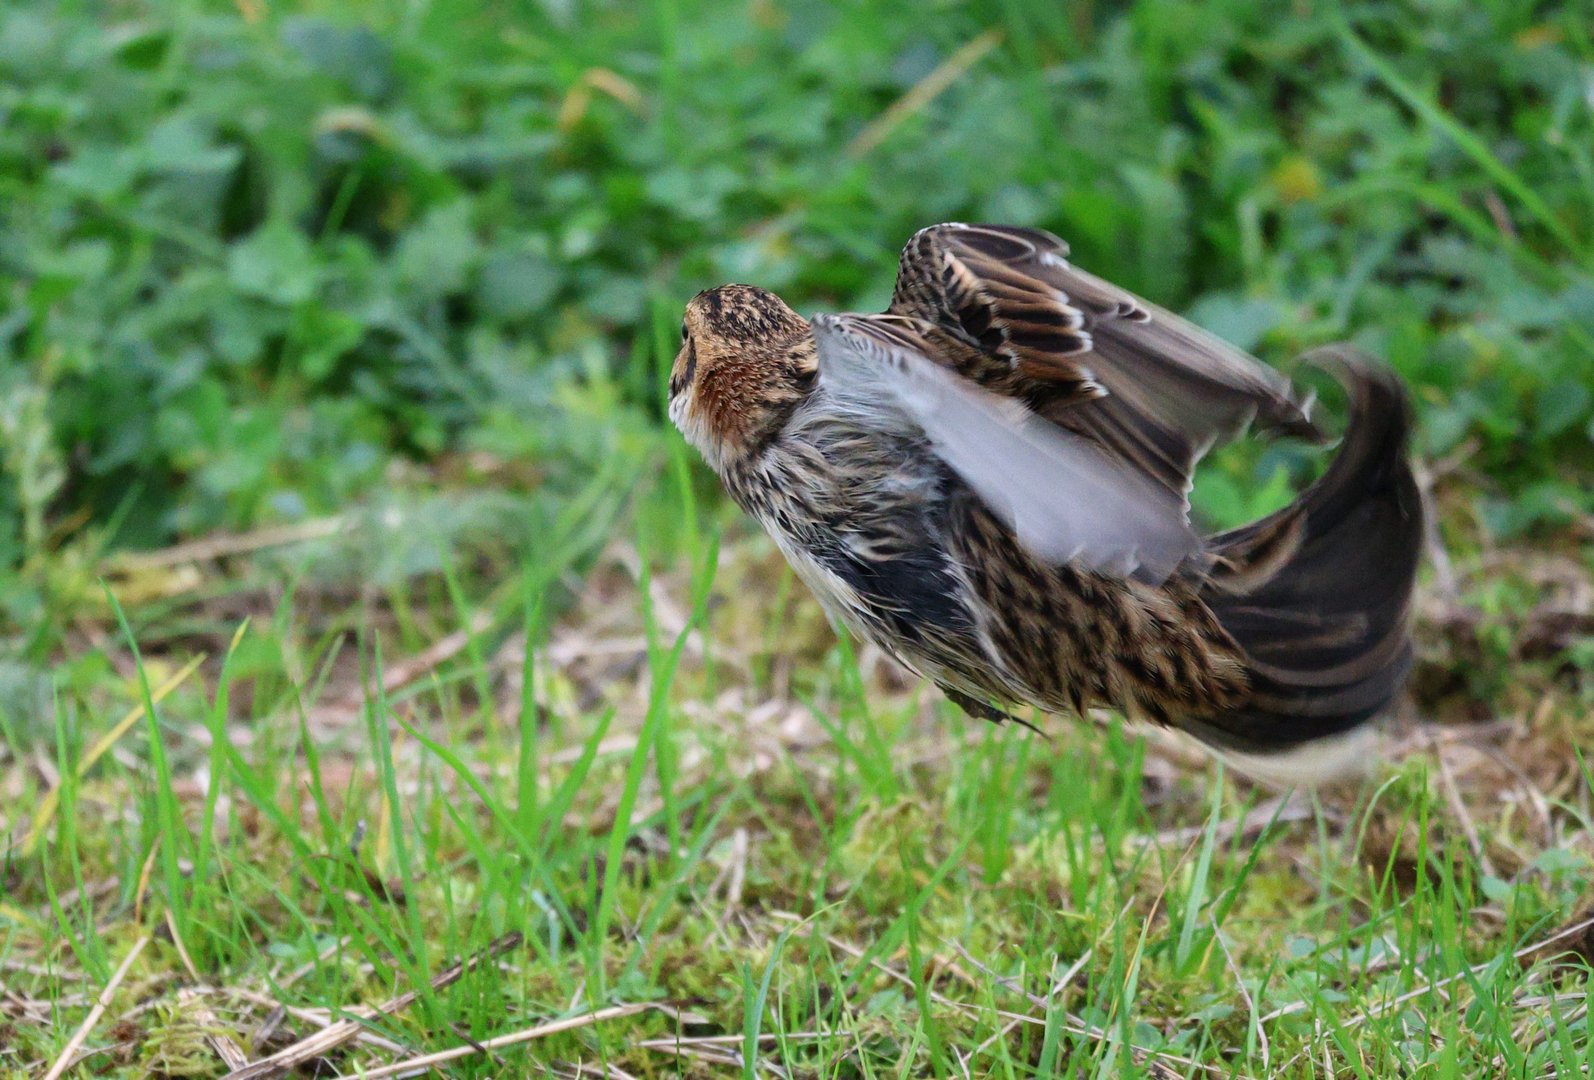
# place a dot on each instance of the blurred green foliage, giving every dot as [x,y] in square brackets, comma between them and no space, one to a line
[252,255]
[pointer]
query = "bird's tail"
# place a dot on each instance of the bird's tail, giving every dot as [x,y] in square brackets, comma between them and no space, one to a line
[1319,594]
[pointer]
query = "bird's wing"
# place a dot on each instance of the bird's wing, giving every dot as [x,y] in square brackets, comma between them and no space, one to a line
[1064,497]
[1152,389]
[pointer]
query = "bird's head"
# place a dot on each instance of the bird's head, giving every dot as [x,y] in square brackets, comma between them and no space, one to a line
[746,361]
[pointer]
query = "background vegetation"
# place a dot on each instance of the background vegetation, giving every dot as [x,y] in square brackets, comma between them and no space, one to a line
[357,607]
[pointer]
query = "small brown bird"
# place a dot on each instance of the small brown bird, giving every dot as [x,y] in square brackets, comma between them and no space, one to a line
[989,481]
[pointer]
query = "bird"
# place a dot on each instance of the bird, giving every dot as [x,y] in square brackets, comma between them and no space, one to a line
[990,480]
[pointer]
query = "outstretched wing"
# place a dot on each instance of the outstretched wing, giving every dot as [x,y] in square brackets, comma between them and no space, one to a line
[1152,389]
[1064,497]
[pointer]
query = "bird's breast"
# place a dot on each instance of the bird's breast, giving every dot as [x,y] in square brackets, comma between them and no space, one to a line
[860,516]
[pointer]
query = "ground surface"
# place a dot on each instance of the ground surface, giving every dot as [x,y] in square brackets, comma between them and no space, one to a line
[360,618]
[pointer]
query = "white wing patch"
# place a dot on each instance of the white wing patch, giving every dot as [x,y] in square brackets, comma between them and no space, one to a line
[1064,499]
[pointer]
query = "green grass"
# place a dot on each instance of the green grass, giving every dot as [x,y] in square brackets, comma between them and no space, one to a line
[358,609]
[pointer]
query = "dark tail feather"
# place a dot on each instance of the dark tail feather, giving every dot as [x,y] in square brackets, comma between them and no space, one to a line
[1319,593]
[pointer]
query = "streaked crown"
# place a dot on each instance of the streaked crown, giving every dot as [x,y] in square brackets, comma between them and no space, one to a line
[746,360]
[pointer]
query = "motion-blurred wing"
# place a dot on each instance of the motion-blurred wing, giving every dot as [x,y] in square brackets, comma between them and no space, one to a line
[1064,498]
[1154,390]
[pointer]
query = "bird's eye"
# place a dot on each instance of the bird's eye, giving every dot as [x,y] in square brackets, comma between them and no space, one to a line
[681,378]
